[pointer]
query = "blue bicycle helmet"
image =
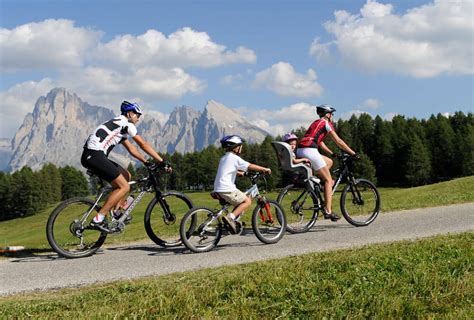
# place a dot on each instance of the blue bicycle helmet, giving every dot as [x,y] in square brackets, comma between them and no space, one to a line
[130,106]
[232,141]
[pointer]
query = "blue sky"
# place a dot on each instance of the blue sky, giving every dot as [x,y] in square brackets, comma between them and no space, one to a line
[270,60]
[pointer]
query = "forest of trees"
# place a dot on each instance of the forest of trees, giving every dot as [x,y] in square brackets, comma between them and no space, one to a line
[400,152]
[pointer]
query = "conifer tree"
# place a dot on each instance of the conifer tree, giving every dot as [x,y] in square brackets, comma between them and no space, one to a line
[74,183]
[441,143]
[417,165]
[27,199]
[382,154]
[6,196]
[51,183]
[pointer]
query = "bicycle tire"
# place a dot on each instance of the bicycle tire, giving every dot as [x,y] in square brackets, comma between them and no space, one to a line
[360,212]
[200,230]
[298,219]
[265,230]
[64,222]
[162,230]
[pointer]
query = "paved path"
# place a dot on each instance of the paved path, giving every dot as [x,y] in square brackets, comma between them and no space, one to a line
[138,260]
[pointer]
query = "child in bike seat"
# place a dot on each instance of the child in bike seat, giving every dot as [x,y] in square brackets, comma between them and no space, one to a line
[292,140]
[229,167]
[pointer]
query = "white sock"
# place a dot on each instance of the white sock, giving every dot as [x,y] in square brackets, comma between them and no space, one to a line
[99,217]
[232,216]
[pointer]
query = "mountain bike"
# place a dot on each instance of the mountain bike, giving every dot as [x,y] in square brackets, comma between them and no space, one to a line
[302,201]
[71,235]
[202,228]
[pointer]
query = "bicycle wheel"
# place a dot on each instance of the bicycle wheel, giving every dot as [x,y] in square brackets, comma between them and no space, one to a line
[162,217]
[200,230]
[268,222]
[68,230]
[360,203]
[298,206]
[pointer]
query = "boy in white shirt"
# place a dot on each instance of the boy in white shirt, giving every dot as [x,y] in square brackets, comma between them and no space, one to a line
[230,165]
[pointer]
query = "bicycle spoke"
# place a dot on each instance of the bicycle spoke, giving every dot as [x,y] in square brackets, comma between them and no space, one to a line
[162,218]
[68,234]
[269,222]
[360,203]
[299,208]
[200,230]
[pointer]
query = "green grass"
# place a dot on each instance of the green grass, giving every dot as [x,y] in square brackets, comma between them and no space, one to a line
[428,279]
[30,231]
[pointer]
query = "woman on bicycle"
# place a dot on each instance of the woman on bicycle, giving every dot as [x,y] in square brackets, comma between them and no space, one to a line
[98,146]
[308,148]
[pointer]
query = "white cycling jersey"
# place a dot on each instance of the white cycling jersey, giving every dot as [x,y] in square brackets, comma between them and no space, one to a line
[109,134]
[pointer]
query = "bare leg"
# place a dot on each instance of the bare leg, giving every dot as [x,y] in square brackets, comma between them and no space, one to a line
[128,177]
[241,207]
[120,189]
[325,175]
[328,161]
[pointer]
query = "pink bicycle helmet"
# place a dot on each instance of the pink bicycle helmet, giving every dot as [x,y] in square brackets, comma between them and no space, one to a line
[289,136]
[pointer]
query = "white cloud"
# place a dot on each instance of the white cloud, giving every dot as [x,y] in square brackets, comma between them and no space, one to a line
[282,79]
[232,79]
[50,44]
[426,41]
[372,103]
[148,83]
[149,67]
[183,48]
[321,51]
[280,121]
[389,116]
[17,101]
[347,115]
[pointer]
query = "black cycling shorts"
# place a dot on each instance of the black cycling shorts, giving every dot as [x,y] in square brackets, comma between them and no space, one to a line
[99,164]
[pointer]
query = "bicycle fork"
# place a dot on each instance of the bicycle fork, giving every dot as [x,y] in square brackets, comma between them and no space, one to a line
[268,218]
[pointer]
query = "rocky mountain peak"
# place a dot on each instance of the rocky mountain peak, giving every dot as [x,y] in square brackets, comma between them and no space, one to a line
[60,123]
[182,115]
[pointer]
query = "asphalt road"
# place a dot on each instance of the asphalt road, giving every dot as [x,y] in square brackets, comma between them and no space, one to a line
[137,260]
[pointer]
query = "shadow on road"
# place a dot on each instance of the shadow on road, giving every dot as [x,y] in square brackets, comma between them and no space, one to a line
[38,255]
[31,255]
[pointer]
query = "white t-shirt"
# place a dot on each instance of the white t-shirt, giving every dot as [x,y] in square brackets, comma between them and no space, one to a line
[229,164]
[109,134]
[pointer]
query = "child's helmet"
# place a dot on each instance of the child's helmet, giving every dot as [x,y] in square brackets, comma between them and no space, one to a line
[323,109]
[232,141]
[289,136]
[130,106]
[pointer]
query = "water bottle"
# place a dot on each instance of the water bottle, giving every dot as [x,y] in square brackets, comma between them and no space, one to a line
[128,202]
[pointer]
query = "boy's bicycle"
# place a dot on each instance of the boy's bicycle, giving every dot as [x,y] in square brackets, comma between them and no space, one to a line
[202,228]
[303,200]
[70,234]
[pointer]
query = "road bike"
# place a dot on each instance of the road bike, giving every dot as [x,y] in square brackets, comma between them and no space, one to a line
[202,228]
[303,199]
[71,235]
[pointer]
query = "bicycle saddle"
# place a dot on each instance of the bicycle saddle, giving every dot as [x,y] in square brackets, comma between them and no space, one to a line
[216,196]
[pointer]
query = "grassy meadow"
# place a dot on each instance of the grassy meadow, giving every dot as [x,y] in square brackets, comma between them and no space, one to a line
[30,231]
[426,279]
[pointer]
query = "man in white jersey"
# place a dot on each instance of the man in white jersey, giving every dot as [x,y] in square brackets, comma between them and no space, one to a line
[224,184]
[98,146]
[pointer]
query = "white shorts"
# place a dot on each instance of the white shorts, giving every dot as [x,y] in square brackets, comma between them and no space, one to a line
[317,160]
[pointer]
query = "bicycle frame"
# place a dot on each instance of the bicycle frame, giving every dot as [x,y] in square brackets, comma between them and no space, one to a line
[252,192]
[345,172]
[146,184]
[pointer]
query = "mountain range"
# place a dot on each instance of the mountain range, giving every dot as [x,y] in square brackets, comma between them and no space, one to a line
[60,122]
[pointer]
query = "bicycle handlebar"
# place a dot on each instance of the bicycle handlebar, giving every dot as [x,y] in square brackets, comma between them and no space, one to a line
[164,166]
[345,156]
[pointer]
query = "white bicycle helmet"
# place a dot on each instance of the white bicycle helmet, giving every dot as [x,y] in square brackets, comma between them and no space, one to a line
[232,141]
